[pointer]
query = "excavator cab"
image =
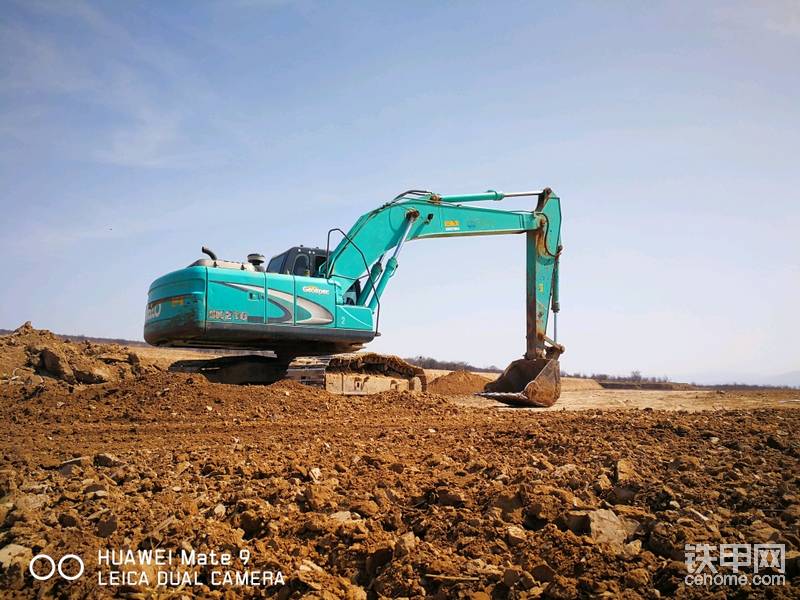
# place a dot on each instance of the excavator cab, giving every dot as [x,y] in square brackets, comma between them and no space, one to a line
[298,260]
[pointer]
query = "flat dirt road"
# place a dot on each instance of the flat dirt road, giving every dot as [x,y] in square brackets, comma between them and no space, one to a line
[391,495]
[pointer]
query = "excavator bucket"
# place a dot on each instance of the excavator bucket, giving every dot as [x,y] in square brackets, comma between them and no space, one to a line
[527,382]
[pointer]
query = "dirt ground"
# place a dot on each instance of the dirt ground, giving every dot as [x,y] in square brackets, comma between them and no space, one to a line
[392,495]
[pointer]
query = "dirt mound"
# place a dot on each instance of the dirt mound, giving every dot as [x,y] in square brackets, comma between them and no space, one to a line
[578,384]
[30,355]
[458,382]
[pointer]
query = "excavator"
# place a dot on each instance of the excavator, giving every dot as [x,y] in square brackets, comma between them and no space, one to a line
[306,313]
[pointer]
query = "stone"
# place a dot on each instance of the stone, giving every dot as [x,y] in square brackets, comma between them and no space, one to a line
[106,459]
[511,576]
[406,544]
[342,516]
[791,513]
[637,578]
[250,523]
[603,484]
[379,557]
[365,508]
[516,535]
[632,549]
[543,572]
[106,526]
[625,471]
[69,518]
[55,363]
[92,374]
[605,527]
[561,588]
[448,497]
[577,521]
[15,554]
[219,511]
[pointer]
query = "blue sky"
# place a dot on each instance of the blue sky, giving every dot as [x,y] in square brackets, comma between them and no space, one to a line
[133,133]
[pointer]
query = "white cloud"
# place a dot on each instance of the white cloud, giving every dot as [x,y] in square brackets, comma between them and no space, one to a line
[147,94]
[776,16]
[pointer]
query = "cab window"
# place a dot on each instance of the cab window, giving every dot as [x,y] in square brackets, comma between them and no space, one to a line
[301,265]
[319,260]
[276,263]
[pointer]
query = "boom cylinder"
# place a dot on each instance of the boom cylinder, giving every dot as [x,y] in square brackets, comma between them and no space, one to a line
[391,264]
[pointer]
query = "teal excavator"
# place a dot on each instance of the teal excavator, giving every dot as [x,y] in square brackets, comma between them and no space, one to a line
[312,309]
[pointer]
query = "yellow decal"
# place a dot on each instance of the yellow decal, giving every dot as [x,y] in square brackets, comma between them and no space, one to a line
[451,223]
[541,288]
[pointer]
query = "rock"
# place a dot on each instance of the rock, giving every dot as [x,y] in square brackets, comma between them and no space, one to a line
[577,521]
[365,508]
[315,474]
[632,549]
[510,505]
[8,482]
[15,554]
[106,526]
[543,572]
[69,518]
[637,578]
[92,374]
[379,557]
[625,471]
[791,513]
[603,484]
[449,497]
[561,588]
[343,516]
[250,523]
[685,463]
[319,497]
[397,467]
[55,363]
[106,459]
[511,576]
[516,535]
[219,511]
[406,544]
[605,527]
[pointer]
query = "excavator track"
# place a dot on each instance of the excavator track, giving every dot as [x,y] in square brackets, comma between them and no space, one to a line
[357,373]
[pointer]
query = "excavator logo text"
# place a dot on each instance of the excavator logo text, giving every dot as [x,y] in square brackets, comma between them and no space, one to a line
[312,289]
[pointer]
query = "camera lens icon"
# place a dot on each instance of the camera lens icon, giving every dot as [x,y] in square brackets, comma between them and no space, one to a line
[46,558]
